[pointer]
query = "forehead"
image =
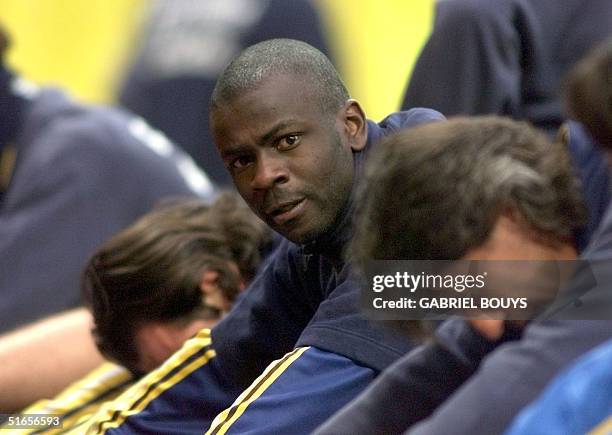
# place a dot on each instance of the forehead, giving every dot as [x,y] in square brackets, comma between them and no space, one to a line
[276,99]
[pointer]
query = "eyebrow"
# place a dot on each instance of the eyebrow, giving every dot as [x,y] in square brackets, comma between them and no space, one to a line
[233,151]
[263,139]
[281,125]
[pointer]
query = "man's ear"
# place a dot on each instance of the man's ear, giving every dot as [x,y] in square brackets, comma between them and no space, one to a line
[355,124]
[208,282]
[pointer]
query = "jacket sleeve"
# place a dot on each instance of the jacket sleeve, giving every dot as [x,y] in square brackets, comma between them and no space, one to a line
[182,396]
[294,394]
[576,402]
[420,382]
[210,371]
[77,403]
[513,376]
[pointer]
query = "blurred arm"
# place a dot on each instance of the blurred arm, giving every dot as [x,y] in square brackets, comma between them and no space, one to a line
[41,359]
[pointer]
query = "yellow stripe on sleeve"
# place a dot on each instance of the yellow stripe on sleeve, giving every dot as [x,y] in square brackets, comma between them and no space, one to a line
[603,428]
[224,421]
[194,354]
[79,401]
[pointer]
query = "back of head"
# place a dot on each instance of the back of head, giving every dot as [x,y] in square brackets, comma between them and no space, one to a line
[588,93]
[151,272]
[275,57]
[434,192]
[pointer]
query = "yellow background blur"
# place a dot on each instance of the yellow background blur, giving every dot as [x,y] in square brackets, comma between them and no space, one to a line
[83,45]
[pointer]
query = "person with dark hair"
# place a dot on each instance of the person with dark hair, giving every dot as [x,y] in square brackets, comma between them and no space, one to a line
[71,176]
[517,199]
[579,400]
[172,273]
[156,284]
[294,143]
[184,47]
[515,374]
[505,57]
[499,168]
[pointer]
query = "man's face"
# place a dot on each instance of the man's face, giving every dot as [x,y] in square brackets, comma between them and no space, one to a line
[290,161]
[524,267]
[157,341]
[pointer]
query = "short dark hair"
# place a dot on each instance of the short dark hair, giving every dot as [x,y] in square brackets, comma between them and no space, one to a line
[588,93]
[434,192]
[281,56]
[152,270]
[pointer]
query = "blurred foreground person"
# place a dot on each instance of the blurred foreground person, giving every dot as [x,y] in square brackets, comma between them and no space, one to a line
[471,189]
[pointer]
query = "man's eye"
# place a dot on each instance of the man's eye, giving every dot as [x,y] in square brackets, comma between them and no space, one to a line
[240,162]
[288,142]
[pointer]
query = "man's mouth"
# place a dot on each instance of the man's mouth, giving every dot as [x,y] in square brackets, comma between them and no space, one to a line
[285,212]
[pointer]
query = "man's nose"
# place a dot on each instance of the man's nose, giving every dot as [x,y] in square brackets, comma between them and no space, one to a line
[271,170]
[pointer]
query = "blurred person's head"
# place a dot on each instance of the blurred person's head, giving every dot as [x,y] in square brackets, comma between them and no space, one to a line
[471,188]
[286,129]
[588,93]
[175,271]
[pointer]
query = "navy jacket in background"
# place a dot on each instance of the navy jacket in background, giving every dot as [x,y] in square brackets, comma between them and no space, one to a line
[81,175]
[505,57]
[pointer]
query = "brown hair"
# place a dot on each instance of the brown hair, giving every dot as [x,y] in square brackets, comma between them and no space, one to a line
[152,270]
[436,191]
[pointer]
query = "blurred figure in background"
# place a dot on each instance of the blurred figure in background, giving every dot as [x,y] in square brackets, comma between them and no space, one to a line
[505,57]
[185,46]
[70,177]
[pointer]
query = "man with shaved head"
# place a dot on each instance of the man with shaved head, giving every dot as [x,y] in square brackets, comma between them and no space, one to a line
[294,143]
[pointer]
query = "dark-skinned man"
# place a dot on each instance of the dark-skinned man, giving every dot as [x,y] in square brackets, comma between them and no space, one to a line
[294,143]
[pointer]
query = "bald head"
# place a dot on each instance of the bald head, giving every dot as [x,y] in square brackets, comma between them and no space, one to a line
[275,57]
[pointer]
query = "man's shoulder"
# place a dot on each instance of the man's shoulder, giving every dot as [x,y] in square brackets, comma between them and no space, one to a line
[410,118]
[106,142]
[399,120]
[55,117]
